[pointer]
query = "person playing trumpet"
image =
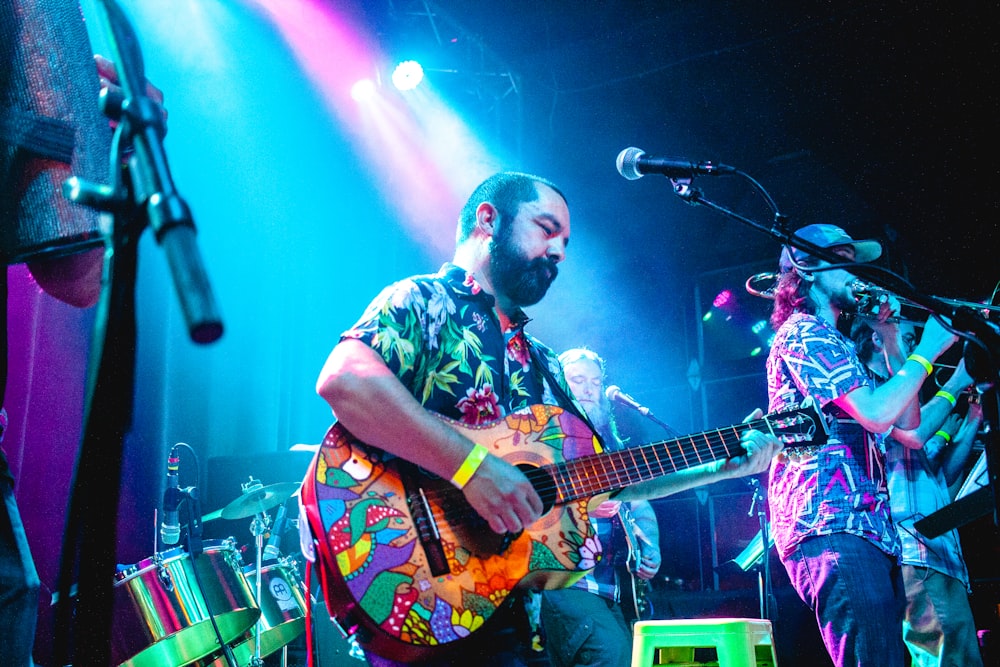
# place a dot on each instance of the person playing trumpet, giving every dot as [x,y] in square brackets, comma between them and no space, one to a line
[923,464]
[830,510]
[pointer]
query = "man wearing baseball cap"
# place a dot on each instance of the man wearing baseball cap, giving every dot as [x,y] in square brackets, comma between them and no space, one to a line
[829,505]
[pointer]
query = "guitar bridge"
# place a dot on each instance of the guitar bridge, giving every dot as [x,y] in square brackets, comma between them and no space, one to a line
[427,530]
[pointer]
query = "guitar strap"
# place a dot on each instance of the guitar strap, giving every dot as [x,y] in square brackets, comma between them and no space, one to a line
[564,400]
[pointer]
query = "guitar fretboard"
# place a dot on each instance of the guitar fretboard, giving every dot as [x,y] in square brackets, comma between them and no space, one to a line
[589,476]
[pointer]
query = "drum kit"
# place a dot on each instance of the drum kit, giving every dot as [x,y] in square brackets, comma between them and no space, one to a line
[208,609]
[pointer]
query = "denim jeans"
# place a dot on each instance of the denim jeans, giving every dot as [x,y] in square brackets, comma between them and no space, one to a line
[939,630]
[18,584]
[582,628]
[856,591]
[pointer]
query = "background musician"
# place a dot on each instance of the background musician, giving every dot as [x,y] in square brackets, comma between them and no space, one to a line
[923,464]
[586,623]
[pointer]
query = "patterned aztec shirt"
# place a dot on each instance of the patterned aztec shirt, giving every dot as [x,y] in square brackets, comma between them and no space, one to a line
[441,337]
[917,487]
[839,486]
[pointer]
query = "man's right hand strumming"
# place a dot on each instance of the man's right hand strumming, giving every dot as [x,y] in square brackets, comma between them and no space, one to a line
[503,496]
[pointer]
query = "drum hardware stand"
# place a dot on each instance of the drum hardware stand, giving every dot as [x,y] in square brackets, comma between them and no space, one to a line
[162,574]
[260,524]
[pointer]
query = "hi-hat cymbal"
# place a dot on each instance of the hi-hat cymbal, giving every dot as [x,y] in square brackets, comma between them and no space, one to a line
[259,500]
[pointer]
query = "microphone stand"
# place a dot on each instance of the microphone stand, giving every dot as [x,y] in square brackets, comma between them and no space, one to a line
[648,414]
[664,425]
[768,603]
[982,336]
[142,196]
[196,548]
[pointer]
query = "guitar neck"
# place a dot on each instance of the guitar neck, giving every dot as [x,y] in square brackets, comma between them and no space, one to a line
[589,476]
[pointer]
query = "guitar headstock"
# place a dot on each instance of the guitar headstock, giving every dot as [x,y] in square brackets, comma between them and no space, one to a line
[799,424]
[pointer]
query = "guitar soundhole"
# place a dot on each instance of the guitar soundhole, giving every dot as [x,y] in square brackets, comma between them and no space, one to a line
[544,485]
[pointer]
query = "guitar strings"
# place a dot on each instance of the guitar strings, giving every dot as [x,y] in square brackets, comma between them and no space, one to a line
[562,482]
[584,477]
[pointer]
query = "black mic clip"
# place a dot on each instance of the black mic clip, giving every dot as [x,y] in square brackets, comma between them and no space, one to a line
[684,188]
[194,526]
[758,498]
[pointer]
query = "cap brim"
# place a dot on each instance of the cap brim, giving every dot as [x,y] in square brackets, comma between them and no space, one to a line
[866,251]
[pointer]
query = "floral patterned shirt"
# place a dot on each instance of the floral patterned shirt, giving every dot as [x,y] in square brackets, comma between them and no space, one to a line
[440,335]
[840,486]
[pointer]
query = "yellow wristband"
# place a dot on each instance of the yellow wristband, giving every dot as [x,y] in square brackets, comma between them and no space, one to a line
[946,395]
[469,466]
[943,435]
[923,362]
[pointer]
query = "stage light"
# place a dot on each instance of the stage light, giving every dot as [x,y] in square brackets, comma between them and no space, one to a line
[758,326]
[407,75]
[363,90]
[722,298]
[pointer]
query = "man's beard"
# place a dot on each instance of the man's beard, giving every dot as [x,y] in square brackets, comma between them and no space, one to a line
[844,300]
[521,280]
[600,417]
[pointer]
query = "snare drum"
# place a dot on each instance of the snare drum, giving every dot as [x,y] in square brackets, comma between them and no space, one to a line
[162,615]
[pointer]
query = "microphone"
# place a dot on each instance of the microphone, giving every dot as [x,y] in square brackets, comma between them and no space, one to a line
[273,547]
[170,526]
[633,164]
[616,395]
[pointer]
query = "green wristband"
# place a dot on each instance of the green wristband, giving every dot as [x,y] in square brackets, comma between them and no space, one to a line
[923,362]
[469,466]
[947,395]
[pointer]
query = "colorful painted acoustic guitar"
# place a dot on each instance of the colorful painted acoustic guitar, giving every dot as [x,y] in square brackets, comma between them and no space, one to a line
[412,569]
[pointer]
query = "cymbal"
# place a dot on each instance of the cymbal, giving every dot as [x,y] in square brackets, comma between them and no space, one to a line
[211,516]
[259,500]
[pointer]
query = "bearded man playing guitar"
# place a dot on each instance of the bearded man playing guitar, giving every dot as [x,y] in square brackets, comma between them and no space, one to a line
[477,467]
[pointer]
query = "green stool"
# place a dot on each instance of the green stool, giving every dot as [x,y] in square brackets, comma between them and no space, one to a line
[736,642]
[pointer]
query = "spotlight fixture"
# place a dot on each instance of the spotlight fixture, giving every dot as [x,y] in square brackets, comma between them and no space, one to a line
[363,90]
[407,75]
